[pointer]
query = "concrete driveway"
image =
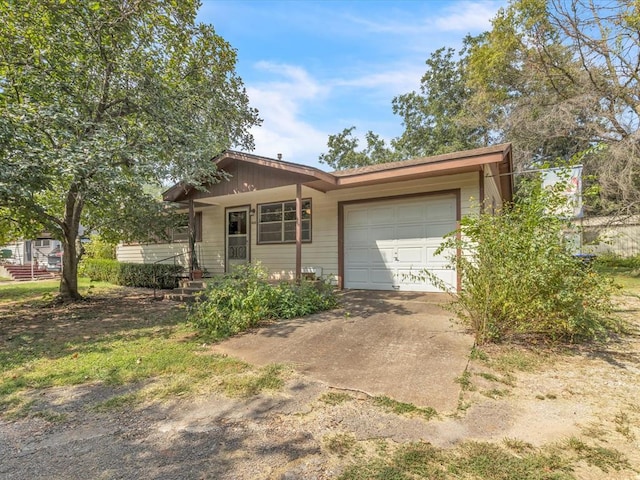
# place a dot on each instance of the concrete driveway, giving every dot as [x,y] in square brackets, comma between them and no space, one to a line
[402,345]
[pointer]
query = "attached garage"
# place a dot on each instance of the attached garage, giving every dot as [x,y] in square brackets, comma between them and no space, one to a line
[389,243]
[371,227]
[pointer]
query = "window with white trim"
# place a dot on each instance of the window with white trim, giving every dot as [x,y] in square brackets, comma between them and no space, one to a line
[277,222]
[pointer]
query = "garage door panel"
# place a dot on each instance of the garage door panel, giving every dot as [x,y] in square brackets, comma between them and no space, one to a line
[358,255]
[357,217]
[381,232]
[415,232]
[411,276]
[411,213]
[401,237]
[442,209]
[358,275]
[439,230]
[382,255]
[415,255]
[448,277]
[382,215]
[440,260]
[357,236]
[382,276]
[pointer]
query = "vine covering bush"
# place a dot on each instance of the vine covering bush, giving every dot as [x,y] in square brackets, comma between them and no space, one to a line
[131,274]
[520,276]
[240,300]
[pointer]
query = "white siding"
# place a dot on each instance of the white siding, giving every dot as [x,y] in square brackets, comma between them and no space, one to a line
[493,199]
[152,253]
[17,252]
[323,250]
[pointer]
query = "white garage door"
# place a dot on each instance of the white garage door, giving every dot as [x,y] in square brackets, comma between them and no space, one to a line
[388,244]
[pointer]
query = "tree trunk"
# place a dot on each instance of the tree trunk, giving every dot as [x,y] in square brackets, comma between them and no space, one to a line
[69,280]
[71,244]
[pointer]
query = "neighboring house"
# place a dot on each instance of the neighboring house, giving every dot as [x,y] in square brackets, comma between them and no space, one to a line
[45,252]
[615,235]
[374,227]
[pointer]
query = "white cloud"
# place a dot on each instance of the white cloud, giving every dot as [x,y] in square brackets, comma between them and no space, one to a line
[468,16]
[281,102]
[463,16]
[296,82]
[290,95]
[390,81]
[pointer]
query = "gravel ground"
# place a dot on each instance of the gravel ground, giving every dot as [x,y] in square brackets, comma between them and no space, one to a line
[590,393]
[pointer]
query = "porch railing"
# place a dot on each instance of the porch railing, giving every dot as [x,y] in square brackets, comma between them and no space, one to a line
[156,278]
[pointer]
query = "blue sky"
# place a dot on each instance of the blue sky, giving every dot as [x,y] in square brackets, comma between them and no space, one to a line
[313,68]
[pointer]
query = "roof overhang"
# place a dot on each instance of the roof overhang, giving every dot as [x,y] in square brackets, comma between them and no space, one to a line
[423,167]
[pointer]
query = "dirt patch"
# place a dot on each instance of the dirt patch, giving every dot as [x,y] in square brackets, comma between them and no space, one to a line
[308,430]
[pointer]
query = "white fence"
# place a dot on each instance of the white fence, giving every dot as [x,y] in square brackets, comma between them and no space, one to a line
[619,236]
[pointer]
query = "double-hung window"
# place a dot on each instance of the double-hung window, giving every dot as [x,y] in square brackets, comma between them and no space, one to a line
[277,222]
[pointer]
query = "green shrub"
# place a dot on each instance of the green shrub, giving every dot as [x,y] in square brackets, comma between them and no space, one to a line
[519,275]
[131,274]
[100,270]
[613,261]
[98,248]
[240,300]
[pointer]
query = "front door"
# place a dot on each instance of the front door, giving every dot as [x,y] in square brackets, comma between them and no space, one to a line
[237,229]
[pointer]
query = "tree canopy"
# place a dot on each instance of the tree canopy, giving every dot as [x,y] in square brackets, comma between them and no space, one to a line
[554,77]
[97,99]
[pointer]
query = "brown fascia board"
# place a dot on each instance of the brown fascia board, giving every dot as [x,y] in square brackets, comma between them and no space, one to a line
[322,180]
[314,173]
[433,166]
[456,162]
[502,149]
[174,193]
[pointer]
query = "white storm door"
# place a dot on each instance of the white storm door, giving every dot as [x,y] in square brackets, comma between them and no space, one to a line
[237,241]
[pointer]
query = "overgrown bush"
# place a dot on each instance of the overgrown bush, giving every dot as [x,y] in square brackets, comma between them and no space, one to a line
[99,248]
[519,275]
[611,260]
[240,300]
[99,270]
[131,274]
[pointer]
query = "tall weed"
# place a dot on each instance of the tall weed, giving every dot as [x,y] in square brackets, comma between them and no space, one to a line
[519,274]
[242,299]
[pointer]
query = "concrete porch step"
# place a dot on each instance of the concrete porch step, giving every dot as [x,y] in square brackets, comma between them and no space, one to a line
[188,291]
[180,297]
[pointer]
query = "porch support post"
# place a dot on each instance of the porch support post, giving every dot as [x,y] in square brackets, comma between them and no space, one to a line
[298,232]
[192,239]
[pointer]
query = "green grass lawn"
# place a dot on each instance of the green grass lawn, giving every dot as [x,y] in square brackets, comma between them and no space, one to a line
[117,336]
[23,291]
[628,278]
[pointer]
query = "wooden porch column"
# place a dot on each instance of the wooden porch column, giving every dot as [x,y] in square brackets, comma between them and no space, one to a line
[192,240]
[298,232]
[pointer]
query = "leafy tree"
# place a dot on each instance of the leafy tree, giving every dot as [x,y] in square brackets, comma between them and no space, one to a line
[342,152]
[557,76]
[432,117]
[98,98]
[553,77]
[99,249]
